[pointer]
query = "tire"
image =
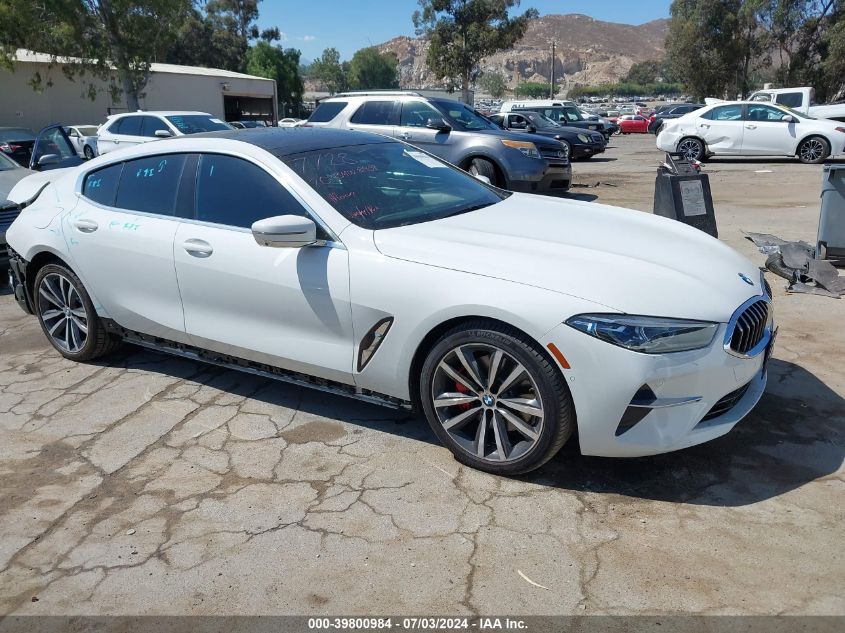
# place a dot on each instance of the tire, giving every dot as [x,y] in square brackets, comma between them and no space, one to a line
[568,147]
[67,315]
[89,153]
[813,150]
[692,148]
[526,439]
[482,167]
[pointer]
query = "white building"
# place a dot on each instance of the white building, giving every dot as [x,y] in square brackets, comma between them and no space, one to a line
[227,95]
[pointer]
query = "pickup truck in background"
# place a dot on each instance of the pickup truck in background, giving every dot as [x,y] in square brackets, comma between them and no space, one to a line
[802,100]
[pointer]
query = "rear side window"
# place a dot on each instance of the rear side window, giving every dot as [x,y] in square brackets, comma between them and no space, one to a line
[101,185]
[375,113]
[724,113]
[791,99]
[325,112]
[235,192]
[150,184]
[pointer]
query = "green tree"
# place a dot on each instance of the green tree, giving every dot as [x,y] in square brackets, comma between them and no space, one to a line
[704,44]
[494,83]
[533,89]
[646,72]
[128,34]
[217,35]
[273,62]
[330,72]
[462,32]
[370,69]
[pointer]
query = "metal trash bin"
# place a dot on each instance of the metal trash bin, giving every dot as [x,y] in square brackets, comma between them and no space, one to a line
[683,194]
[831,235]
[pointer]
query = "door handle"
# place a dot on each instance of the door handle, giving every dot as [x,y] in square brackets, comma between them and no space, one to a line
[705,125]
[751,127]
[197,248]
[85,226]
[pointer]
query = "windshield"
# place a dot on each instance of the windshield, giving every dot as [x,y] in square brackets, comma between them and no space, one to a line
[463,116]
[7,164]
[196,123]
[385,185]
[800,115]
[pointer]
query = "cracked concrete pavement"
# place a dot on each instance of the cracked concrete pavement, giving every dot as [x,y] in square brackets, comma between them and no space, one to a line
[145,484]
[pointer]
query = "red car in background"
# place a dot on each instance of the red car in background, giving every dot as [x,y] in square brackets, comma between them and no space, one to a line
[633,124]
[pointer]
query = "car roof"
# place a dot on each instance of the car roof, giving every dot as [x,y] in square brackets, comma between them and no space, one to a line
[283,141]
[160,113]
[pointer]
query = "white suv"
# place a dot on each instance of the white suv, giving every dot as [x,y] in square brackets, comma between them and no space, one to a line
[134,128]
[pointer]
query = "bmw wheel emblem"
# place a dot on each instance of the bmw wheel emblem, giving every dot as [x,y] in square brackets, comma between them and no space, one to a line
[746,279]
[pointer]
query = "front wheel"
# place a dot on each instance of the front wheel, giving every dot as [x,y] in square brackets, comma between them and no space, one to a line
[813,150]
[692,149]
[482,167]
[67,315]
[495,399]
[89,153]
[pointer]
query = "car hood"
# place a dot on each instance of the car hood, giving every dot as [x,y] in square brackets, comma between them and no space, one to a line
[625,260]
[9,178]
[518,136]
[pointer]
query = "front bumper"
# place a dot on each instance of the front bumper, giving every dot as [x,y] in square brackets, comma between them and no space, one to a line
[701,394]
[553,178]
[583,150]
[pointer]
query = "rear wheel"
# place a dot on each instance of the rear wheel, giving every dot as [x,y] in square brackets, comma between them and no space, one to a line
[692,149]
[495,400]
[67,315]
[482,167]
[813,150]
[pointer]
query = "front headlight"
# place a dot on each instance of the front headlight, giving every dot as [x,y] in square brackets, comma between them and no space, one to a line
[583,138]
[649,335]
[527,148]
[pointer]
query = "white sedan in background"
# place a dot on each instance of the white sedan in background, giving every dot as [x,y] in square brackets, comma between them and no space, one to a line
[84,139]
[360,265]
[751,129]
[289,122]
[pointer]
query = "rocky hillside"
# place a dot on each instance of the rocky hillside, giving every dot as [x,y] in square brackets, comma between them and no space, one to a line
[588,52]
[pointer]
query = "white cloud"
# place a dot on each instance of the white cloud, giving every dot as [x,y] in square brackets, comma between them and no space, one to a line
[308,38]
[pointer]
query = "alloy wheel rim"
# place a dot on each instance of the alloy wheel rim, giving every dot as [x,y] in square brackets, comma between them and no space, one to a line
[487,402]
[690,149]
[63,312]
[812,150]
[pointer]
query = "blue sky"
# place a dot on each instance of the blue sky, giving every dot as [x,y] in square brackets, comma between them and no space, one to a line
[348,26]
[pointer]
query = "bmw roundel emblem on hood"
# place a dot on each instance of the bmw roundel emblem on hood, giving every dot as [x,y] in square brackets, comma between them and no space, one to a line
[746,279]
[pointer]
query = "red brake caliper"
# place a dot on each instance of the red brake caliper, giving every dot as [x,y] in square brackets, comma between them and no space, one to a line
[462,389]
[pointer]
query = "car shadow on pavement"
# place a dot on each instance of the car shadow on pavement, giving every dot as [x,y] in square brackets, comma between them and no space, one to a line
[793,436]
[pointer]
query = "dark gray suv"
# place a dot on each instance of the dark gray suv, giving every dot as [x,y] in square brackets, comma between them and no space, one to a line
[456,133]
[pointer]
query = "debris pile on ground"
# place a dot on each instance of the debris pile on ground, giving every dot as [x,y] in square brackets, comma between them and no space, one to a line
[796,262]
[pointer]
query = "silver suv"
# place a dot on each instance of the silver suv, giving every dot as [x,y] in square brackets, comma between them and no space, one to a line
[454,132]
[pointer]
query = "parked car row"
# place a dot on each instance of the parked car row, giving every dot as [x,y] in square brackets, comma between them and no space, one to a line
[455,132]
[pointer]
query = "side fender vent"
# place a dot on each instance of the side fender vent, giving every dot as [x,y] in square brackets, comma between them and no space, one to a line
[371,341]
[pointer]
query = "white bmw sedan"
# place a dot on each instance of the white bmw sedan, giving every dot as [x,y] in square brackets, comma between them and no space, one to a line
[363,266]
[751,129]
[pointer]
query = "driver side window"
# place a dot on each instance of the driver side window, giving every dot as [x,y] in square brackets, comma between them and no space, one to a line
[236,192]
[417,114]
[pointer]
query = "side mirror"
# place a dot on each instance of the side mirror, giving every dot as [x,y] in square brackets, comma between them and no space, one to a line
[49,159]
[438,124]
[788,118]
[483,179]
[163,133]
[285,231]
[530,129]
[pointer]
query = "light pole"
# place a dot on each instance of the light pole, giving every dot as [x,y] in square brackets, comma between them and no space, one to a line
[552,82]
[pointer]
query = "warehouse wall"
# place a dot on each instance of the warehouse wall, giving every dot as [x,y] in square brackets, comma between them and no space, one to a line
[64,101]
